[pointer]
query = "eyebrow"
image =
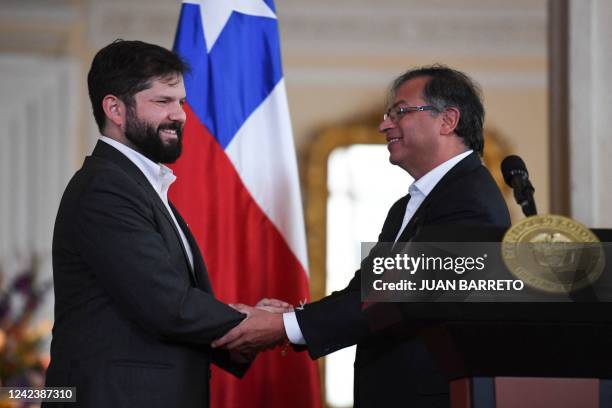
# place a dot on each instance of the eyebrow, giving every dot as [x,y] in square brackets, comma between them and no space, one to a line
[167,98]
[401,101]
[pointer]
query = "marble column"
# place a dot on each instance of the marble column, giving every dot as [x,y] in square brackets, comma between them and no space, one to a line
[590,108]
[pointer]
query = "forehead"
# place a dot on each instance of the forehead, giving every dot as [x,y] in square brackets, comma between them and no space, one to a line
[171,86]
[411,90]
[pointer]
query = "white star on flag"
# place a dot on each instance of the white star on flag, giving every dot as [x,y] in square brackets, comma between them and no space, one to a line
[215,14]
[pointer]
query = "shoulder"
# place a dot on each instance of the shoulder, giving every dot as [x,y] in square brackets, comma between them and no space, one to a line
[471,198]
[100,183]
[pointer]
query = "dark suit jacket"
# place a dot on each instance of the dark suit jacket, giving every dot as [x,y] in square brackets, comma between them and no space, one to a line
[133,321]
[394,368]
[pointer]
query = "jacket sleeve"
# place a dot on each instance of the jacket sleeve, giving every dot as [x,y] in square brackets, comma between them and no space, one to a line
[338,320]
[120,240]
[221,358]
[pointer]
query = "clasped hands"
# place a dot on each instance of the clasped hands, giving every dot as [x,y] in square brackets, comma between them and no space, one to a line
[262,329]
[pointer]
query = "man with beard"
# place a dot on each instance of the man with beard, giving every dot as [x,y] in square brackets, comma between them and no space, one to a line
[134,310]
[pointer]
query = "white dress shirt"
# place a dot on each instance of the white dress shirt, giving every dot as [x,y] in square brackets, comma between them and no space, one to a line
[418,190]
[160,177]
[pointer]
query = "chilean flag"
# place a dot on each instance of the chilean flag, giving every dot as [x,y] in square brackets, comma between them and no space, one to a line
[237,183]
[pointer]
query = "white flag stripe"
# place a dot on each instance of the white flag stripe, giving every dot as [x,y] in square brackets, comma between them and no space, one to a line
[216,13]
[263,153]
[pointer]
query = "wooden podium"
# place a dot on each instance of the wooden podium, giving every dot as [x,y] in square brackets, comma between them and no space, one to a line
[520,364]
[507,355]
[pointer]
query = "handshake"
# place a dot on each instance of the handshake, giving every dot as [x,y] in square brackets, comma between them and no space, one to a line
[262,329]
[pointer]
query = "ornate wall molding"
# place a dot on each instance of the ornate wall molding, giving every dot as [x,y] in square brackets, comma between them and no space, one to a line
[42,27]
[39,140]
[413,27]
[363,76]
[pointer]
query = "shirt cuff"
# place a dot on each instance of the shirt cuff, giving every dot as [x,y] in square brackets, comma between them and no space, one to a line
[292,328]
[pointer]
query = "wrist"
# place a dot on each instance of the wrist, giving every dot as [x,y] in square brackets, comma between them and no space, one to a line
[279,325]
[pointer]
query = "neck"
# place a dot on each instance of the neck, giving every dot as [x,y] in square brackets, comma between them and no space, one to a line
[436,160]
[119,136]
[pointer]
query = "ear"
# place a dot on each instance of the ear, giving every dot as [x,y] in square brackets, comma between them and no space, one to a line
[115,110]
[450,120]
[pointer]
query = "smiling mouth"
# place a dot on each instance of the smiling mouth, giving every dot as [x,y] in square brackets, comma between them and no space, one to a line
[169,132]
[392,140]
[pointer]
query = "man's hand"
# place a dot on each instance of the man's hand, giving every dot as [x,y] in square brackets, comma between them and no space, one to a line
[260,330]
[274,305]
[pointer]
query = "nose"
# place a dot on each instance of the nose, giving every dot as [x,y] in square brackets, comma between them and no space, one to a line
[385,125]
[178,114]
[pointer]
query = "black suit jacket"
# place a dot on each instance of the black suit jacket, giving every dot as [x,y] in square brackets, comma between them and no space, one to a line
[393,368]
[133,321]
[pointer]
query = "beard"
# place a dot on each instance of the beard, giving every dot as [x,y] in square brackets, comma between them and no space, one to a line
[147,140]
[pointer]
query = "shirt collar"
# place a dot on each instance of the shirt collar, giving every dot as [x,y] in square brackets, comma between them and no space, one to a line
[160,176]
[425,184]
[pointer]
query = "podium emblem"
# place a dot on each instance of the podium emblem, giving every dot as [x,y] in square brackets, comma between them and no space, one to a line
[553,253]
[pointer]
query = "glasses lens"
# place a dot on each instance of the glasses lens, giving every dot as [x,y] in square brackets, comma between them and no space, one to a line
[388,115]
[391,114]
[397,112]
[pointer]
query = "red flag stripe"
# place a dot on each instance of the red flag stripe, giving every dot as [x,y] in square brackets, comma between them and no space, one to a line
[242,250]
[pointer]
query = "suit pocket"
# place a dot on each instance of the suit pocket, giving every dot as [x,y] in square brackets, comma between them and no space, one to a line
[136,383]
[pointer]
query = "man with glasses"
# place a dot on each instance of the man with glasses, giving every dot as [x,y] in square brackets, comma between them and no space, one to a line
[434,131]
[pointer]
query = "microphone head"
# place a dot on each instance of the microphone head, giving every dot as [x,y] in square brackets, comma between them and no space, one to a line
[512,166]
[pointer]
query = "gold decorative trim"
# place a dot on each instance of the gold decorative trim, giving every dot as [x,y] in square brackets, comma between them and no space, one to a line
[316,192]
[316,201]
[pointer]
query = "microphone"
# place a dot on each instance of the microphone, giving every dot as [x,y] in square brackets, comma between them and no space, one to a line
[516,176]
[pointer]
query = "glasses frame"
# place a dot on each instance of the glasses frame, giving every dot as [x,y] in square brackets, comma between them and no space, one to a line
[395,113]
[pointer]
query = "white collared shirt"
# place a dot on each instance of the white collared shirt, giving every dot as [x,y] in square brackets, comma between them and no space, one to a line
[160,177]
[419,190]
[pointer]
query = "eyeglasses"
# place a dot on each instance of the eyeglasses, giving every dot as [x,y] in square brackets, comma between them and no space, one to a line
[395,113]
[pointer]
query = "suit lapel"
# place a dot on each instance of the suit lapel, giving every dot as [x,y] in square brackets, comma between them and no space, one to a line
[468,164]
[199,267]
[106,151]
[164,210]
[394,220]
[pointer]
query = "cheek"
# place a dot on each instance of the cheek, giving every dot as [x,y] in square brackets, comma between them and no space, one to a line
[408,133]
[417,131]
[152,113]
